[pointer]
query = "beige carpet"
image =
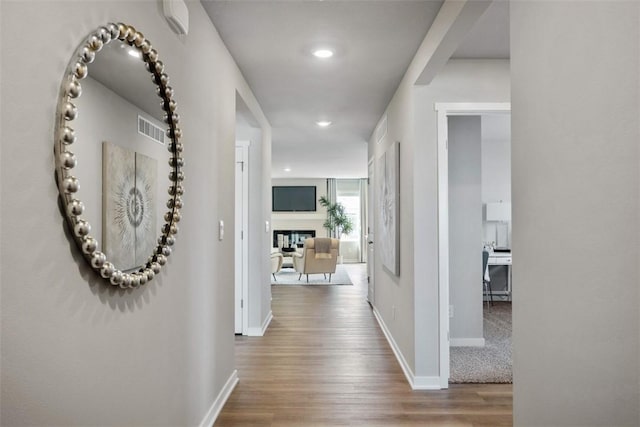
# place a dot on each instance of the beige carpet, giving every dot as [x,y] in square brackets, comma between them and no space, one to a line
[493,362]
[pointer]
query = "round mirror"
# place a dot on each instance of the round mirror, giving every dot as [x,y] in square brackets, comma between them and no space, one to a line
[115,120]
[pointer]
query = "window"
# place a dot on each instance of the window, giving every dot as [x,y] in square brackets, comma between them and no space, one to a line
[348,193]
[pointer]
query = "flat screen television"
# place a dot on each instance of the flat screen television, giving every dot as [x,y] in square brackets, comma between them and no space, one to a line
[293,198]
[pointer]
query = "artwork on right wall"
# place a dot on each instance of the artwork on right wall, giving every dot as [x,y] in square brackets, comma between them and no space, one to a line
[389,208]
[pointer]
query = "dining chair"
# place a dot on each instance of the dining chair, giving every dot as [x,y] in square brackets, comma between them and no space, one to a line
[486,280]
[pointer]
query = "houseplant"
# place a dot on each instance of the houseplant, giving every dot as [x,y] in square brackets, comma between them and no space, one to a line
[338,222]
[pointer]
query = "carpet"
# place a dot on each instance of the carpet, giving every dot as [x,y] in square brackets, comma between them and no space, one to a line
[493,362]
[288,276]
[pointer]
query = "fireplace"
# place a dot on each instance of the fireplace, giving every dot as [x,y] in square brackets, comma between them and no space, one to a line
[291,238]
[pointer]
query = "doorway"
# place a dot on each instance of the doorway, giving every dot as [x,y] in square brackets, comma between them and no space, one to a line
[370,219]
[444,112]
[252,303]
[241,237]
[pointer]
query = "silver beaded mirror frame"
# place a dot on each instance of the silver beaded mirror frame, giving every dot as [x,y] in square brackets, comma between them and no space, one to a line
[65,137]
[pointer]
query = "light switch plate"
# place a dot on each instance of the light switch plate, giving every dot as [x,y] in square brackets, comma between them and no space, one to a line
[220,230]
[266,226]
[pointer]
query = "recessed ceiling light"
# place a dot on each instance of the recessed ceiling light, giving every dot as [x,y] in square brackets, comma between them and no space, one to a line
[323,123]
[323,53]
[287,169]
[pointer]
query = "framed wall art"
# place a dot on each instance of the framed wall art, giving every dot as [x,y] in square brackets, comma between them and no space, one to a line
[389,208]
[129,205]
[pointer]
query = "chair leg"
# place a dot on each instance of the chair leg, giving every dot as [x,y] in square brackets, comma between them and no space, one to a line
[484,294]
[484,291]
[299,276]
[274,277]
[490,293]
[325,276]
[329,276]
[307,278]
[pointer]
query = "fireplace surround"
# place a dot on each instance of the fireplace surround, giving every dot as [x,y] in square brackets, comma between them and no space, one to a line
[291,238]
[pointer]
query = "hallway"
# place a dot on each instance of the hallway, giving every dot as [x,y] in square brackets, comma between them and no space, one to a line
[325,362]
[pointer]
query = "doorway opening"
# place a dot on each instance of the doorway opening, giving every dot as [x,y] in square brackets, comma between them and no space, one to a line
[352,195]
[241,236]
[370,227]
[250,259]
[461,309]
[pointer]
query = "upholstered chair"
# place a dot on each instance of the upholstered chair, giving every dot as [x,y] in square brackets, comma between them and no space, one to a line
[312,262]
[276,263]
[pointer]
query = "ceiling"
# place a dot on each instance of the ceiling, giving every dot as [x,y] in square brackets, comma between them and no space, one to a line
[373,41]
[127,76]
[271,41]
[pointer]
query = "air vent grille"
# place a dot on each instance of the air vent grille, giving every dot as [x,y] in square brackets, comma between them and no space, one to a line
[148,129]
[381,131]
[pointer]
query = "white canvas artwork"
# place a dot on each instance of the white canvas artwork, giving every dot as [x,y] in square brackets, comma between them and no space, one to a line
[144,212]
[388,208]
[129,206]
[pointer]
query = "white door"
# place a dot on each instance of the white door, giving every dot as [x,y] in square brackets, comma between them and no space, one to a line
[370,233]
[241,248]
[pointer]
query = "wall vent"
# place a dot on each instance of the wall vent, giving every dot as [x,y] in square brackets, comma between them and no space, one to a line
[148,129]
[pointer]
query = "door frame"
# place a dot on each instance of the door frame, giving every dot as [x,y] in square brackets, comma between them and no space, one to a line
[444,110]
[371,235]
[241,234]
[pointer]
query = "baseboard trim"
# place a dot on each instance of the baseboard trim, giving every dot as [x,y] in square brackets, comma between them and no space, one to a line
[218,403]
[259,332]
[416,382]
[467,342]
[426,383]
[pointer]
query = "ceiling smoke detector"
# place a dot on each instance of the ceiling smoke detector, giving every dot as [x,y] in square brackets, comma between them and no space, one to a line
[177,15]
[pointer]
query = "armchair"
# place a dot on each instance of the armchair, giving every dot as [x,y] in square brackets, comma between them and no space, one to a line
[276,263]
[308,263]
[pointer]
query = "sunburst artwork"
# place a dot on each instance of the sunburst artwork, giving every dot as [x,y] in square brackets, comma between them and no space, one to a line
[129,206]
[389,208]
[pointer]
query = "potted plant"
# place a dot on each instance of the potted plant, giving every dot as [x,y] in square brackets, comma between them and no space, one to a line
[337,223]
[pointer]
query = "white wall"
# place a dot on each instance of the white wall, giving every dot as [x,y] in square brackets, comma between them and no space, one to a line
[496,166]
[412,121]
[459,81]
[301,220]
[465,230]
[496,157]
[75,351]
[575,118]
[496,187]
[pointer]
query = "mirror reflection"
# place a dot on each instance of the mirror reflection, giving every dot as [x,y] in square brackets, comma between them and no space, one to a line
[112,139]
[122,156]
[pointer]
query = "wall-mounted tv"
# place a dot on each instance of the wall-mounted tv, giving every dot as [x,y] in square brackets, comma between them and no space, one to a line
[293,198]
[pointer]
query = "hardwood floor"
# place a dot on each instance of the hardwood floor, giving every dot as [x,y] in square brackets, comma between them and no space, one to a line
[325,362]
